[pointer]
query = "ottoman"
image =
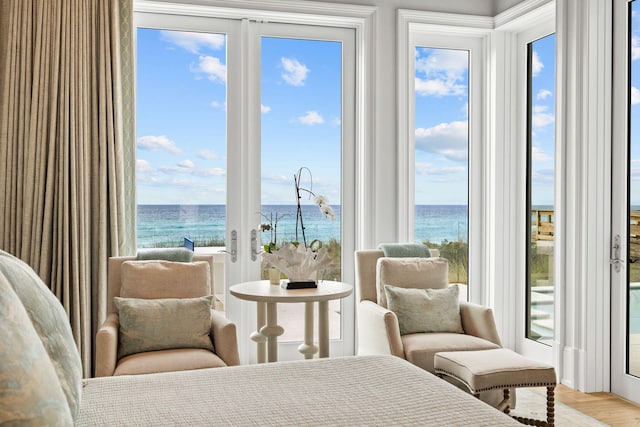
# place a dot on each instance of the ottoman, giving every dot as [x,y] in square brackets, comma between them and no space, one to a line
[500,368]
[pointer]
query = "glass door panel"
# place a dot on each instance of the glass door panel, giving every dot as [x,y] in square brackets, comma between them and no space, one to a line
[301,139]
[540,188]
[181,138]
[633,204]
[442,157]
[625,253]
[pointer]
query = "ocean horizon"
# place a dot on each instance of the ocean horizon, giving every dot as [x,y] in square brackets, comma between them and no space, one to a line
[164,225]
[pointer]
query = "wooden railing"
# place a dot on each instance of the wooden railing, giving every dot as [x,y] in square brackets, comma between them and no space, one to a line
[542,225]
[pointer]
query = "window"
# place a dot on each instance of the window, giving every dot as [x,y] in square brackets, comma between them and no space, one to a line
[441,155]
[540,188]
[440,117]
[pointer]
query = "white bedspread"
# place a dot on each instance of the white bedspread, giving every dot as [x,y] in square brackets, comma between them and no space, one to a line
[347,391]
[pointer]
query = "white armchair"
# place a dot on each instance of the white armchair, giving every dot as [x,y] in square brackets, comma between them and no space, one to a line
[379,329]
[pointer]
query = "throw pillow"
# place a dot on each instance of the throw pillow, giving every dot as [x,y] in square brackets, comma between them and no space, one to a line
[425,310]
[418,273]
[161,324]
[165,279]
[166,254]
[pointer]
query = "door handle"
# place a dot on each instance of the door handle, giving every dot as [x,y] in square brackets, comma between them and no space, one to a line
[615,260]
[233,251]
[254,244]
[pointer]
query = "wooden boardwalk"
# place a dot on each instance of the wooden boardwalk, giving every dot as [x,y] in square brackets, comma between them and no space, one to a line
[543,224]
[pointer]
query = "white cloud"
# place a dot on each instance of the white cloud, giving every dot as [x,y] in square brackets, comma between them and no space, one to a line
[143,166]
[536,64]
[635,95]
[538,155]
[210,172]
[543,94]
[438,87]
[157,143]
[540,108]
[543,176]
[294,72]
[443,73]
[336,121]
[187,167]
[187,164]
[194,42]
[430,169]
[208,155]
[220,105]
[635,48]
[539,120]
[447,139]
[264,109]
[311,118]
[214,69]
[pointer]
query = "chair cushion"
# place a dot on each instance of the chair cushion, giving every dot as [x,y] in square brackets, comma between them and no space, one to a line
[420,349]
[160,324]
[165,279]
[425,310]
[182,359]
[418,273]
[51,324]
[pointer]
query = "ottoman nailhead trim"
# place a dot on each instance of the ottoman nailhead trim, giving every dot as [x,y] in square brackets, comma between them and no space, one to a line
[496,387]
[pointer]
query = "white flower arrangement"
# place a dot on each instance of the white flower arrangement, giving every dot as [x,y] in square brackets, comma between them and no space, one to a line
[300,261]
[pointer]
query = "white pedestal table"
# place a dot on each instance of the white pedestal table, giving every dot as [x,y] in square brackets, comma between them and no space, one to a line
[267,296]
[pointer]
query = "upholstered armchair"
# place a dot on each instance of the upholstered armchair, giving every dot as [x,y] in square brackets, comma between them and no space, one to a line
[136,289]
[378,327]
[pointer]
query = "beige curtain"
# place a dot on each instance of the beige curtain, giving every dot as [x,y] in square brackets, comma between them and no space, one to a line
[61,148]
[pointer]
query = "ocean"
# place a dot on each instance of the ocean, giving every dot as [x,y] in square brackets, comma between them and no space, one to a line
[168,225]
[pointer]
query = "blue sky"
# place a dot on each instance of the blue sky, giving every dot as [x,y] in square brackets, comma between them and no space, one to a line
[441,134]
[181,117]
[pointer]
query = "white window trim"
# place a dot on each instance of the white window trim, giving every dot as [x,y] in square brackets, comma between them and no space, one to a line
[462,31]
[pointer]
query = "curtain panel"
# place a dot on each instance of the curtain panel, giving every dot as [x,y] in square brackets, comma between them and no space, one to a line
[62,195]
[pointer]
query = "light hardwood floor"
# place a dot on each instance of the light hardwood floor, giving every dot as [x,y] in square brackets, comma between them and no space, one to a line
[606,407]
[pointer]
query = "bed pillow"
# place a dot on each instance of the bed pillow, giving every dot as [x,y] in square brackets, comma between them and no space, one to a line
[51,324]
[31,392]
[165,279]
[161,324]
[418,273]
[425,310]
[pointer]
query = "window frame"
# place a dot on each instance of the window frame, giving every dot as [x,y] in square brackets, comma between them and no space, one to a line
[446,31]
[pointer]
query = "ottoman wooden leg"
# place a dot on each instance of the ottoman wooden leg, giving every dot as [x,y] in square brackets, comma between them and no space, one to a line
[550,412]
[550,405]
[504,405]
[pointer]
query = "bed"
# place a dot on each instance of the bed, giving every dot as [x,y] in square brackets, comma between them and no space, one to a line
[346,391]
[41,382]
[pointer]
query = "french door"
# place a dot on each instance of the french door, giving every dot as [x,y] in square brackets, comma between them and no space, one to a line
[288,103]
[625,251]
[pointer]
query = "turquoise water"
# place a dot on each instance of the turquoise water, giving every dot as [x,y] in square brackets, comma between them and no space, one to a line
[159,225]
